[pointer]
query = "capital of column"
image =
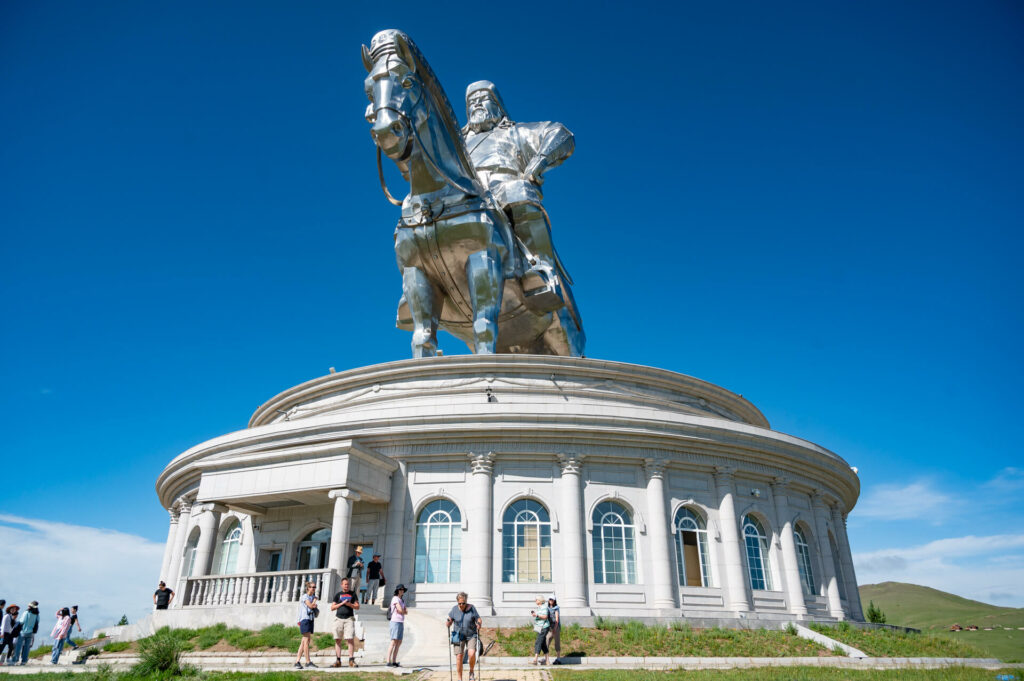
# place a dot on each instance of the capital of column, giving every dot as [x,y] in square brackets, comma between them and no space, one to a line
[344,493]
[724,474]
[481,464]
[821,501]
[175,515]
[655,468]
[779,485]
[212,506]
[571,464]
[184,506]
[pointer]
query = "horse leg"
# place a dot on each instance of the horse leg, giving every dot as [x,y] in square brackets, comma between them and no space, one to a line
[425,301]
[483,271]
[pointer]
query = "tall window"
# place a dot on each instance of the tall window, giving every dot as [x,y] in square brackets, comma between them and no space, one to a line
[526,543]
[803,561]
[439,543]
[757,554]
[188,563]
[229,550]
[691,548]
[312,553]
[614,548]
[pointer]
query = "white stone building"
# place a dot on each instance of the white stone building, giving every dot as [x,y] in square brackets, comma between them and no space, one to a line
[627,490]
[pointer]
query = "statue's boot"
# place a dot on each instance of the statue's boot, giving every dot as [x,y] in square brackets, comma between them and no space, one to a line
[483,271]
[424,301]
[541,282]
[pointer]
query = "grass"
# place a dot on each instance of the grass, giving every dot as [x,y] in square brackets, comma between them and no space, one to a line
[117,646]
[613,639]
[783,674]
[106,675]
[274,637]
[888,643]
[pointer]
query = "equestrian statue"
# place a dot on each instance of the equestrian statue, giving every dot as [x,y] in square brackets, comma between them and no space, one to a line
[474,242]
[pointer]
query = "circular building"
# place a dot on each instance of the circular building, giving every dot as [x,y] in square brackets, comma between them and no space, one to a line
[628,491]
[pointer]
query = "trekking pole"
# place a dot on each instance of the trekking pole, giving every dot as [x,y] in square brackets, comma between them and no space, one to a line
[449,646]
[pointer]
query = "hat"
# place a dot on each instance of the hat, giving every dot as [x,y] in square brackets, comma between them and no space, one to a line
[376,555]
[400,587]
[34,604]
[358,549]
[551,596]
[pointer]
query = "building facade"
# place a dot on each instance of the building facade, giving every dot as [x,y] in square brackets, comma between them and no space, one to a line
[626,490]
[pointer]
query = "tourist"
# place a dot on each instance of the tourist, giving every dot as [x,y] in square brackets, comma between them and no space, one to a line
[29,622]
[307,614]
[355,570]
[465,637]
[554,627]
[59,633]
[162,597]
[373,576]
[541,624]
[7,625]
[396,613]
[74,623]
[345,602]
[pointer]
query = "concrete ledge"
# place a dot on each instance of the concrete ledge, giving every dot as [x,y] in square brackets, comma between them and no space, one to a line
[830,643]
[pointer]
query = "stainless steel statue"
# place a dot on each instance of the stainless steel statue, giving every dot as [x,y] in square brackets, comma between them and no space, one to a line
[474,242]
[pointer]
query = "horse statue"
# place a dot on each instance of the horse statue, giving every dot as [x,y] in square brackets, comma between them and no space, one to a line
[463,267]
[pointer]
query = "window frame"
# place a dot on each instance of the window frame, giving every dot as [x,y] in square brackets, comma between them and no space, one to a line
[513,528]
[603,542]
[753,529]
[433,515]
[685,514]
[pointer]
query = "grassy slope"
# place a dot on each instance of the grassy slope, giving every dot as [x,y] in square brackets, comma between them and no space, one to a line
[934,611]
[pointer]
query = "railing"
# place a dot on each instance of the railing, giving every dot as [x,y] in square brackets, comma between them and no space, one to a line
[254,588]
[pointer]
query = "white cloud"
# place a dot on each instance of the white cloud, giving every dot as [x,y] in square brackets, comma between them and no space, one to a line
[989,569]
[902,502]
[105,572]
[1009,481]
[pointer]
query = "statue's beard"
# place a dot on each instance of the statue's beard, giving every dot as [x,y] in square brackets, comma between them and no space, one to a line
[481,121]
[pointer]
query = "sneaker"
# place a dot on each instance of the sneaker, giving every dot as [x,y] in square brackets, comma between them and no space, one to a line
[298,665]
[310,664]
[556,661]
[471,677]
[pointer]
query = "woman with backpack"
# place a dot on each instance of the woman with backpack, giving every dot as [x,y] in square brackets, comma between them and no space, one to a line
[7,625]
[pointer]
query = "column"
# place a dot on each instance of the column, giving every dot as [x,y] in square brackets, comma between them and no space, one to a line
[208,521]
[735,587]
[248,547]
[835,608]
[572,554]
[172,535]
[661,553]
[850,577]
[477,568]
[341,526]
[790,565]
[394,539]
[184,527]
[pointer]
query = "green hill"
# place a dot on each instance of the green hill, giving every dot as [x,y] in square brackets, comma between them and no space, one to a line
[934,611]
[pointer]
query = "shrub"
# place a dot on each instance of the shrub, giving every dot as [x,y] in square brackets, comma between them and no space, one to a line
[791,629]
[160,654]
[875,613]
[123,621]
[101,635]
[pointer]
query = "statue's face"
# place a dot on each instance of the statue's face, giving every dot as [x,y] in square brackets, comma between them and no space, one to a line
[484,112]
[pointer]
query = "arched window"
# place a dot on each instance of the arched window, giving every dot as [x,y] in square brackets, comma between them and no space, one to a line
[691,548]
[312,550]
[229,549]
[526,543]
[439,543]
[803,561]
[188,563]
[757,554]
[614,549]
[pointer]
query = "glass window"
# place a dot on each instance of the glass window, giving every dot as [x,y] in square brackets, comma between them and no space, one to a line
[526,543]
[229,549]
[312,550]
[803,560]
[691,537]
[756,542]
[614,547]
[189,562]
[439,543]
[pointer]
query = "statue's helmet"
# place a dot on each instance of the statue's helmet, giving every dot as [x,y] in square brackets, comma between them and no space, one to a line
[489,87]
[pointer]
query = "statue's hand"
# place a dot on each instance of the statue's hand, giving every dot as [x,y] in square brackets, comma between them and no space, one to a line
[534,171]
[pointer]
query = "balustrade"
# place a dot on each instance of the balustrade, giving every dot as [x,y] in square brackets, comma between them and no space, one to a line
[255,588]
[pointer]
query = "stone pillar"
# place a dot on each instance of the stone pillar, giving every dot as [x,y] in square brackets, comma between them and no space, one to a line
[661,552]
[849,576]
[172,535]
[572,555]
[181,536]
[209,522]
[341,527]
[790,565]
[247,550]
[735,586]
[394,539]
[477,567]
[835,607]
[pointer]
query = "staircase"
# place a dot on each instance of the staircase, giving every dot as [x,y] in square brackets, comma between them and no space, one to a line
[377,631]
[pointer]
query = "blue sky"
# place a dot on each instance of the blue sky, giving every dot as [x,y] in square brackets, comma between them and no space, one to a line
[811,204]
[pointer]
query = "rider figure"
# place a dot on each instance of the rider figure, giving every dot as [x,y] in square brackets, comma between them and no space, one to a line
[510,159]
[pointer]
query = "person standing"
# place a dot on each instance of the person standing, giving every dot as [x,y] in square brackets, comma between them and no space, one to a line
[344,604]
[307,615]
[162,597]
[59,633]
[355,570]
[540,627]
[374,571]
[7,628]
[74,623]
[397,611]
[465,637]
[554,627]
[29,622]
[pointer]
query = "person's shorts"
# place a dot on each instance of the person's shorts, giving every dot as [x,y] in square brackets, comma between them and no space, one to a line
[397,630]
[305,626]
[344,629]
[471,643]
